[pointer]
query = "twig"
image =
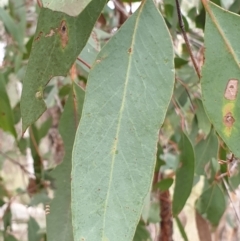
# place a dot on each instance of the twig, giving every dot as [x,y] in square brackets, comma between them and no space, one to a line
[82,61]
[16,163]
[182,27]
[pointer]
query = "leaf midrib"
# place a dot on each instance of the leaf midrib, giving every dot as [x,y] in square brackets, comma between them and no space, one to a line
[115,143]
[214,20]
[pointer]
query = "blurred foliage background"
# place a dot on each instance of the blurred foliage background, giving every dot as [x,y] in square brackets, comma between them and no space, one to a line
[26,162]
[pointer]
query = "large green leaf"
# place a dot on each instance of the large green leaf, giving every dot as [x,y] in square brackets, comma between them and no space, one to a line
[59,220]
[184,175]
[212,204]
[70,7]
[220,78]
[128,92]
[205,150]
[58,40]
[6,113]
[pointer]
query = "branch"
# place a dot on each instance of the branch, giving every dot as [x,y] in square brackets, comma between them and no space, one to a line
[182,27]
[82,61]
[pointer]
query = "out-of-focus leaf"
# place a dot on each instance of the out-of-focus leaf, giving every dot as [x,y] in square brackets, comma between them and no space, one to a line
[184,175]
[220,81]
[65,90]
[212,204]
[179,62]
[33,229]
[181,229]
[58,40]
[203,121]
[205,150]
[194,130]
[165,184]
[38,198]
[28,48]
[9,237]
[115,146]
[22,145]
[154,213]
[59,221]
[214,170]
[12,27]
[70,7]
[141,233]
[43,130]
[6,114]
[17,113]
[159,162]
[235,179]
[171,161]
[34,142]
[235,7]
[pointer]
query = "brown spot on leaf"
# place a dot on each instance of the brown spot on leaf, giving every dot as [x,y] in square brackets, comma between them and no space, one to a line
[63,31]
[231,89]
[130,50]
[228,119]
[50,34]
[38,36]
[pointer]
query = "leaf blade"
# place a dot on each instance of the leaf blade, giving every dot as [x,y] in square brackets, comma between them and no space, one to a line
[59,220]
[113,149]
[58,40]
[221,43]
[184,175]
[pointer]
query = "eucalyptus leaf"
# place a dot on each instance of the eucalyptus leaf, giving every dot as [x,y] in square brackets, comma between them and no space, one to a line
[184,175]
[58,40]
[212,204]
[59,220]
[220,80]
[114,152]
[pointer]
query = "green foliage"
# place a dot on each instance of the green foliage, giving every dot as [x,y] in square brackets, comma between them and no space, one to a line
[58,40]
[116,122]
[59,222]
[184,174]
[223,103]
[126,167]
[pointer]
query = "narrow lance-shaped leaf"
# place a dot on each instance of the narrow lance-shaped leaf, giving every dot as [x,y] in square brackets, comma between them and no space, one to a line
[58,40]
[184,175]
[59,220]
[205,150]
[128,93]
[220,79]
[6,114]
